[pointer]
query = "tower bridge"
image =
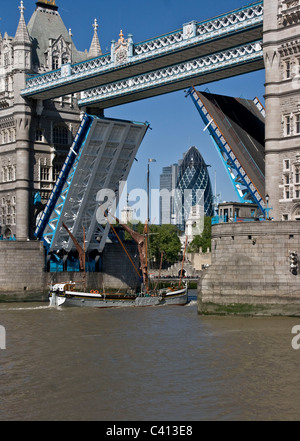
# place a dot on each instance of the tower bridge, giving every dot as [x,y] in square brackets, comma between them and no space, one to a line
[62,160]
[198,53]
[36,134]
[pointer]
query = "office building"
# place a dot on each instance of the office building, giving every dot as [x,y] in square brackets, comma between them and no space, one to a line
[184,186]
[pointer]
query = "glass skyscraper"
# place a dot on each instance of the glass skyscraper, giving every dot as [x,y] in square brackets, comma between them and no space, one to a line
[193,188]
[168,181]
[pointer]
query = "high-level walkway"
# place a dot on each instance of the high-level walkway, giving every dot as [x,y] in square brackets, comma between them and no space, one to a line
[198,53]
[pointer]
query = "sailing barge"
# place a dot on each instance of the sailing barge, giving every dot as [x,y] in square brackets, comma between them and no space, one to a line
[67,294]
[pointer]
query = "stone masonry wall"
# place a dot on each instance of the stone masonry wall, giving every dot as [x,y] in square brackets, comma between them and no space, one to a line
[22,270]
[250,271]
[118,272]
[23,278]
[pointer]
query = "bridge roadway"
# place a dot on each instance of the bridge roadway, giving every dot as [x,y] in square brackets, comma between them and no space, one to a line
[198,53]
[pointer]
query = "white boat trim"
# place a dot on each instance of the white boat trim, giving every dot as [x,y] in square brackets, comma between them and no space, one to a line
[84,294]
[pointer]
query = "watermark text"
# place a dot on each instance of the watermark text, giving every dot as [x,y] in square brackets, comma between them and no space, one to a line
[2,338]
[296,339]
[159,204]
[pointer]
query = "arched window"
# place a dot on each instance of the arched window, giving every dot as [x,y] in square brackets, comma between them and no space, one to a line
[6,58]
[56,169]
[65,58]
[39,135]
[55,62]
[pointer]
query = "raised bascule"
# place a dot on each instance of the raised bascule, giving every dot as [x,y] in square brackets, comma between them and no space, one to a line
[237,128]
[100,157]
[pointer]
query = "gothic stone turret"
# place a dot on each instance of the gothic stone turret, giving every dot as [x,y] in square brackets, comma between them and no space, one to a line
[34,136]
[282,65]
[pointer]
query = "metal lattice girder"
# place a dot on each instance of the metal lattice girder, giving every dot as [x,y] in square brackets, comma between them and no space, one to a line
[193,40]
[103,160]
[213,67]
[245,171]
[66,173]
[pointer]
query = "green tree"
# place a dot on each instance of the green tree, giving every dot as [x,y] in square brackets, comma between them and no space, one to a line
[138,227]
[204,240]
[164,238]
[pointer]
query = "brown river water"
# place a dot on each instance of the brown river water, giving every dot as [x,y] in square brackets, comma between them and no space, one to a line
[145,364]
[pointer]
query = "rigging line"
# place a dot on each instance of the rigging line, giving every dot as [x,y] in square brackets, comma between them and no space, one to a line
[160,267]
[123,246]
[183,259]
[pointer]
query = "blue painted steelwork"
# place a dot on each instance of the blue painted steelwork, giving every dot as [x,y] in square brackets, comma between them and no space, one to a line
[216,220]
[235,170]
[13,238]
[100,157]
[260,106]
[70,264]
[66,173]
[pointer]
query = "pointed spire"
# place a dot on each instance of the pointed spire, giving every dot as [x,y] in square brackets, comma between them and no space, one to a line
[22,31]
[95,49]
[121,39]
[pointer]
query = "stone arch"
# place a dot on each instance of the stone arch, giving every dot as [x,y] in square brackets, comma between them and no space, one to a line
[184,273]
[296,213]
[8,234]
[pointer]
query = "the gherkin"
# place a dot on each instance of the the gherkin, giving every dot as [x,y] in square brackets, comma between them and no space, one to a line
[193,187]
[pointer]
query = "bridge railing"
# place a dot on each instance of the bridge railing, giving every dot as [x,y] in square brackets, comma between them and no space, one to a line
[203,30]
[188,69]
[225,219]
[191,34]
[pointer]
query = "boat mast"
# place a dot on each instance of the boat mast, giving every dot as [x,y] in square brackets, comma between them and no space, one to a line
[146,228]
[148,191]
[183,259]
[84,271]
[160,267]
[140,240]
[81,251]
[121,243]
[148,188]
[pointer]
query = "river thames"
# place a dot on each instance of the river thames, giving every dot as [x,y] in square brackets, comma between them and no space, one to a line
[146,364]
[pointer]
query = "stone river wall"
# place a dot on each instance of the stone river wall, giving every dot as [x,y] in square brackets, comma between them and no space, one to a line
[23,276]
[250,272]
[22,273]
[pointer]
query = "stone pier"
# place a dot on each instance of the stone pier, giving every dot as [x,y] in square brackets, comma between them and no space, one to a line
[250,273]
[23,276]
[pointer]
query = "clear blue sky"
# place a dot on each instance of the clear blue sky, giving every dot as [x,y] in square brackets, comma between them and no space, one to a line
[176,124]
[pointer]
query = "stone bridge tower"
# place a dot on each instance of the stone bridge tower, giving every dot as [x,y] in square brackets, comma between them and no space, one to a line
[35,136]
[282,97]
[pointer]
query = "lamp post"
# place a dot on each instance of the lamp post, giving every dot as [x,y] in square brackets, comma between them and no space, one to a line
[268,208]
